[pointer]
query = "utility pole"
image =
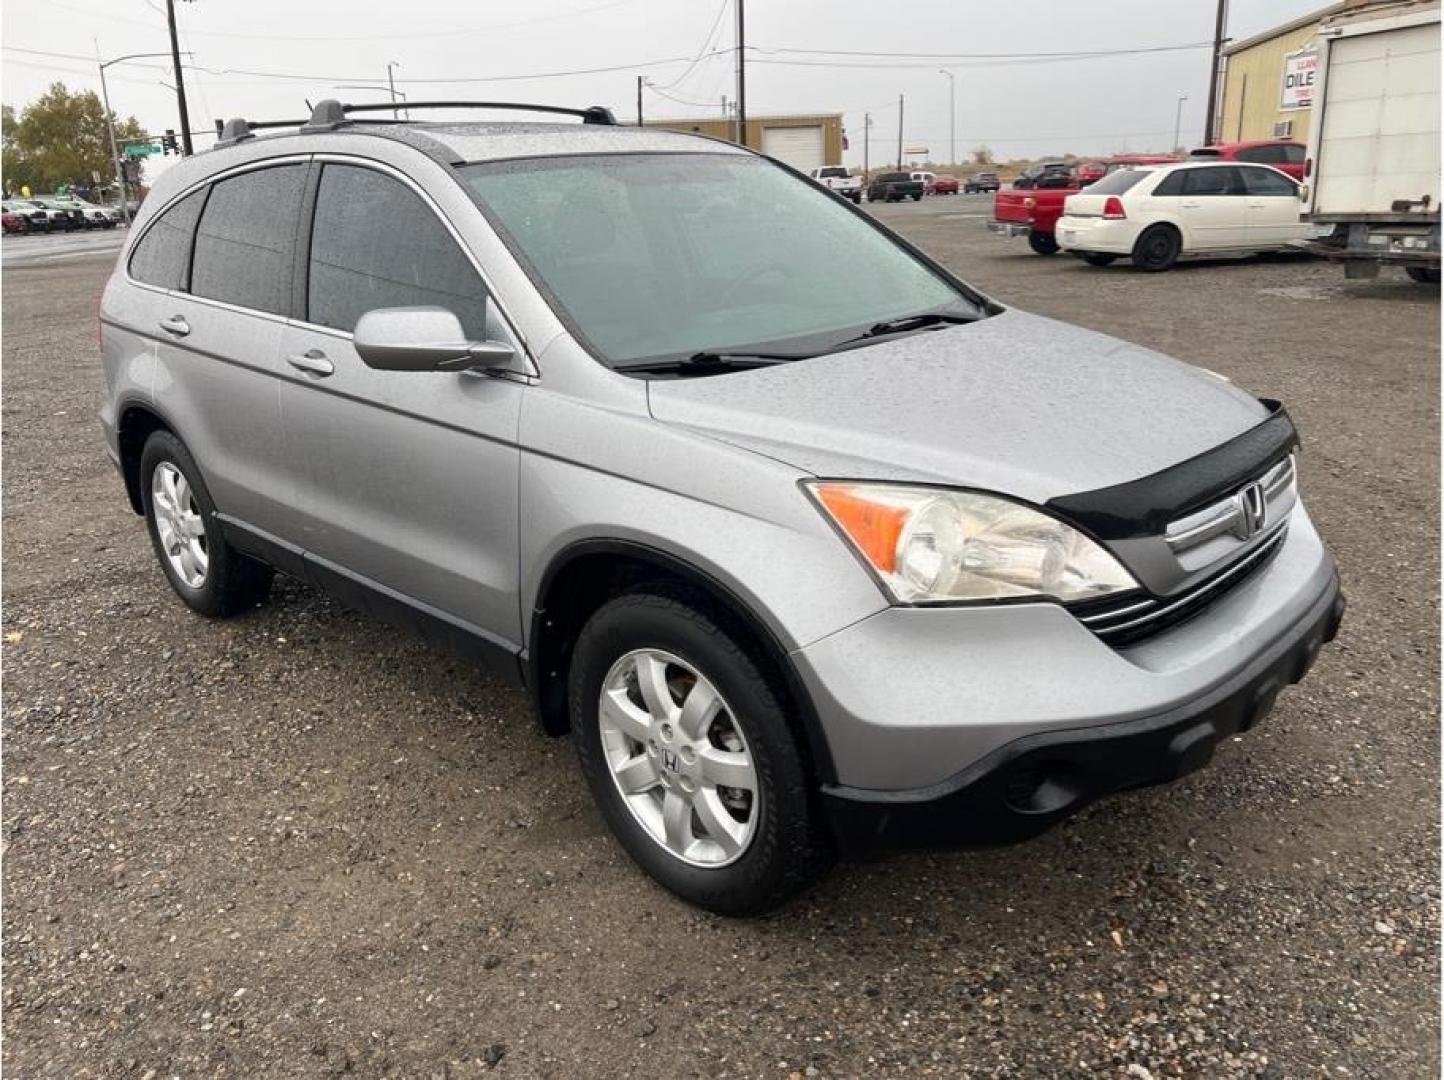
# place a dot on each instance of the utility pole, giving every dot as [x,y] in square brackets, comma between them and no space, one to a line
[741,80]
[639,101]
[952,117]
[899,131]
[1220,21]
[1178,121]
[866,128]
[180,86]
[391,85]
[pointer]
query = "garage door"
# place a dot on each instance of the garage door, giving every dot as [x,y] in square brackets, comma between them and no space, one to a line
[800,147]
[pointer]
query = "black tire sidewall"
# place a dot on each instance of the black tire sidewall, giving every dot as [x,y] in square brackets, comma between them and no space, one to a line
[1152,264]
[223,564]
[786,851]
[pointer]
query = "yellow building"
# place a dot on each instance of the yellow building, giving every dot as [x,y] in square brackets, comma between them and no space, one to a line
[804,142]
[1268,81]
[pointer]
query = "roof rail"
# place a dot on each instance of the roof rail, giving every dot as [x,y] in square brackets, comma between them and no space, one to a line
[331,114]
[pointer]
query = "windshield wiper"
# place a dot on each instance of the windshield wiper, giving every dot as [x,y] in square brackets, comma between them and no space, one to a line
[705,362]
[905,324]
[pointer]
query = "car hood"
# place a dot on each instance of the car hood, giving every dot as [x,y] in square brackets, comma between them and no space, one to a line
[1015,403]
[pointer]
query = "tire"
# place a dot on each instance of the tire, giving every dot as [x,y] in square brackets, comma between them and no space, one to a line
[784,849]
[1424,275]
[1098,258]
[1157,249]
[228,582]
[1043,243]
[917,198]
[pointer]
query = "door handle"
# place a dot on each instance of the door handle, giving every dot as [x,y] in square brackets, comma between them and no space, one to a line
[176,325]
[1189,204]
[312,362]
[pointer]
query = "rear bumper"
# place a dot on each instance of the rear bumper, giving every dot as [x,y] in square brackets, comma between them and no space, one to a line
[1025,787]
[1102,235]
[1010,228]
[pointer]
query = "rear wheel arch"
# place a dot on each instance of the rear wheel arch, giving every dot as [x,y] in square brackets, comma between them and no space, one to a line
[136,424]
[583,577]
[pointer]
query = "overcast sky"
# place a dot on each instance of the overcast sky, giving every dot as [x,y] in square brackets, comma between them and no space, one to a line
[262,58]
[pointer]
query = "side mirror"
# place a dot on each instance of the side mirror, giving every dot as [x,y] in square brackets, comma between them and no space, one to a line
[422,339]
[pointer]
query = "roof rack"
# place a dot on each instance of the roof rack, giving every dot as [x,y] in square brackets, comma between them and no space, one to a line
[331,114]
[328,115]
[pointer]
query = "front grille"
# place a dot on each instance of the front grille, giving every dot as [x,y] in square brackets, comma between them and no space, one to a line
[1120,620]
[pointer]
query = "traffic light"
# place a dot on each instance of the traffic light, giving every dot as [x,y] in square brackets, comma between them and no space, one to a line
[168,143]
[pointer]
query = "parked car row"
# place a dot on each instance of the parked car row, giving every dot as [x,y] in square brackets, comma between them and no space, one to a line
[57,214]
[1043,195]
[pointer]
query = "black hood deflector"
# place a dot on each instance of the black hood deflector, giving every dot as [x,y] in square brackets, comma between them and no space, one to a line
[1144,507]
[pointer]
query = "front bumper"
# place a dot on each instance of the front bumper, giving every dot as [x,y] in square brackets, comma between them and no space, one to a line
[1025,787]
[1010,228]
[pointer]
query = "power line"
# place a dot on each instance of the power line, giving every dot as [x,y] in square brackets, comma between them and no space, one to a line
[702,53]
[932,57]
[490,28]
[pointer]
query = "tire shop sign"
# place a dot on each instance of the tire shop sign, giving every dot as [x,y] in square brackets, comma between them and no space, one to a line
[1299,71]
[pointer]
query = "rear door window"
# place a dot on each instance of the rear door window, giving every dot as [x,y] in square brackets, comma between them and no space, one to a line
[1268,182]
[376,244]
[162,256]
[245,243]
[1223,180]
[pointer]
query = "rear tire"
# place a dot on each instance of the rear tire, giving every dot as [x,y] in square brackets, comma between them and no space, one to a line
[1098,258]
[1043,243]
[777,848]
[1424,275]
[1157,249]
[212,577]
[917,198]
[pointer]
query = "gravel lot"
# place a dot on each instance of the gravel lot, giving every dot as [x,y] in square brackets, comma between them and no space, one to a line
[299,843]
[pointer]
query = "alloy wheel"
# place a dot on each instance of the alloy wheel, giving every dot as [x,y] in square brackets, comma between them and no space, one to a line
[179,525]
[679,758]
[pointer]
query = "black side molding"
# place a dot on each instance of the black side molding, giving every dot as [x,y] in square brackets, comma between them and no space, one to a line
[1145,506]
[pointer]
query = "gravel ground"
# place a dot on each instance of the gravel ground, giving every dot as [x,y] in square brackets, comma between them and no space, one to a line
[300,844]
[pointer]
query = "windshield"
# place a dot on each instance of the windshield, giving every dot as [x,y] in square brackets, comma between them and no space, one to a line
[659,256]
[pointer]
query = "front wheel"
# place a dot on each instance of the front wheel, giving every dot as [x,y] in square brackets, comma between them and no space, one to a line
[212,577]
[917,198]
[1157,249]
[1098,258]
[1043,243]
[1424,275]
[688,751]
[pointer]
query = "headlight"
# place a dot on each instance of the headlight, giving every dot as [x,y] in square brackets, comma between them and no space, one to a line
[930,544]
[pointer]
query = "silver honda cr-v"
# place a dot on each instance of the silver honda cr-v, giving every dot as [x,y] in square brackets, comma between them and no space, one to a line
[811,547]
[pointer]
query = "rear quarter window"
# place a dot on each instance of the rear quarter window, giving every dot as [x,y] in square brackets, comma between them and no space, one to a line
[1117,182]
[162,256]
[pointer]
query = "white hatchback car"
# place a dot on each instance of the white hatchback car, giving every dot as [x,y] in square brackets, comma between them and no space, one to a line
[1155,214]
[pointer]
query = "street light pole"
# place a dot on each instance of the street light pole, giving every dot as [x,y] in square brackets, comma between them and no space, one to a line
[110,119]
[1178,120]
[952,117]
[180,86]
[899,131]
[391,83]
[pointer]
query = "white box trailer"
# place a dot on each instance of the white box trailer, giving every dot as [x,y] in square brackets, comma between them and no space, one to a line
[1371,179]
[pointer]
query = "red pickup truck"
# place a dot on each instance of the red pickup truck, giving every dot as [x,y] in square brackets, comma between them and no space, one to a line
[1034,212]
